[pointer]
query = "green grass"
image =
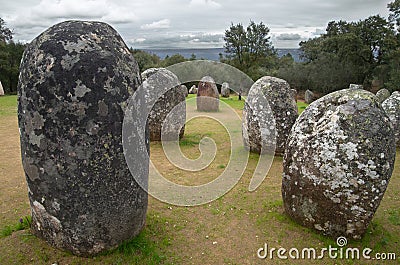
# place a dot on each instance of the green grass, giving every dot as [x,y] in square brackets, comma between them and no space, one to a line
[394,216]
[8,105]
[23,223]
[301,106]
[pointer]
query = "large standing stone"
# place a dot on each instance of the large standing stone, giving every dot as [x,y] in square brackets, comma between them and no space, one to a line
[338,163]
[225,90]
[283,105]
[1,90]
[193,90]
[165,104]
[207,95]
[309,96]
[392,108]
[185,90]
[75,80]
[382,94]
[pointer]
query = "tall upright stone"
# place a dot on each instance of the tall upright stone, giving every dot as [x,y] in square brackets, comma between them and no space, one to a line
[309,96]
[225,90]
[283,105]
[392,108]
[156,79]
[185,90]
[207,95]
[338,162]
[193,90]
[75,81]
[1,90]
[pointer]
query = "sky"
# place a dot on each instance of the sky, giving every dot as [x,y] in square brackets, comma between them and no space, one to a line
[188,23]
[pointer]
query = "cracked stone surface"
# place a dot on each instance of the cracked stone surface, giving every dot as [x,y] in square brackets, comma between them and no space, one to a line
[283,105]
[163,79]
[207,95]
[339,160]
[75,80]
[392,108]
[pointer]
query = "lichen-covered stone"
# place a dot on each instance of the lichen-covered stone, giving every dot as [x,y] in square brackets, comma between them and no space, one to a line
[193,90]
[338,163]
[225,90]
[185,90]
[75,80]
[392,108]
[1,90]
[309,96]
[165,103]
[382,94]
[283,105]
[207,95]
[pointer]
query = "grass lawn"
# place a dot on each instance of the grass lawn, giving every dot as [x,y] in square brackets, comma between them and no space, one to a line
[228,230]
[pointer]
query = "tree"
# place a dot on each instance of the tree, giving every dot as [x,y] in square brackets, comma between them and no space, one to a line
[5,33]
[10,58]
[145,60]
[249,48]
[394,8]
[360,47]
[174,59]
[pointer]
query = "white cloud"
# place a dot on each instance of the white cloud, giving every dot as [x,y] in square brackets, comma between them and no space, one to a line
[143,19]
[161,24]
[204,3]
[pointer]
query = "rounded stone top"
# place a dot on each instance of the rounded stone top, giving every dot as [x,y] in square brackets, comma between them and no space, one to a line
[277,91]
[162,72]
[207,87]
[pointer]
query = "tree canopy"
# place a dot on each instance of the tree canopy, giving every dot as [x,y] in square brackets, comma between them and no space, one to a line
[362,52]
[249,49]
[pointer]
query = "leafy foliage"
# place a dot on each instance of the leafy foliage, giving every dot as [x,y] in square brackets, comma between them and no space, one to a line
[349,52]
[5,33]
[10,57]
[250,49]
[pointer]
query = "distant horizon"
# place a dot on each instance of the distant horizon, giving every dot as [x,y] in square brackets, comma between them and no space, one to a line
[211,53]
[201,48]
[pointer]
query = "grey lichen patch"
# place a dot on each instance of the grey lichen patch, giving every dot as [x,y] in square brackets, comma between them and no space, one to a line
[74,80]
[340,154]
[69,61]
[80,90]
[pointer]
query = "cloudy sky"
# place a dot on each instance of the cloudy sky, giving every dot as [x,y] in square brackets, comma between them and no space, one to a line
[188,23]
